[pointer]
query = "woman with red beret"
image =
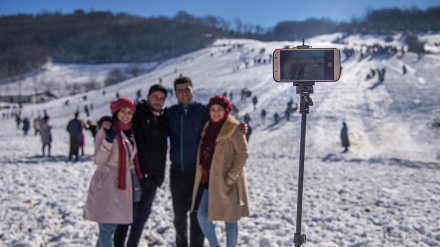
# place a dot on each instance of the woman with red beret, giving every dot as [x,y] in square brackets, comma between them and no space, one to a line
[220,184]
[110,198]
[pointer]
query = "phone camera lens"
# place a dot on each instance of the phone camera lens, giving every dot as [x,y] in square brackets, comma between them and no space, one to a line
[330,65]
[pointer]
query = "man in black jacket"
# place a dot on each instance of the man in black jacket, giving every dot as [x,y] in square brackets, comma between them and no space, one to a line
[150,127]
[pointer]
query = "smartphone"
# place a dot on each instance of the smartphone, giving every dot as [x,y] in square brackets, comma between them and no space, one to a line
[314,64]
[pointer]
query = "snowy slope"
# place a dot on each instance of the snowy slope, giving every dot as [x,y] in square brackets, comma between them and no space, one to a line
[383,192]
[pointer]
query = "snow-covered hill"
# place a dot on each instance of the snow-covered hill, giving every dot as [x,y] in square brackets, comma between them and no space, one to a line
[383,192]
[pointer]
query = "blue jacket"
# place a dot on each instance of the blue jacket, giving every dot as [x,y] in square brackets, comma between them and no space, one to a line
[186,126]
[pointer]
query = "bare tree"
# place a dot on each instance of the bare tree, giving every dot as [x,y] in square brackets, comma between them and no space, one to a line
[114,76]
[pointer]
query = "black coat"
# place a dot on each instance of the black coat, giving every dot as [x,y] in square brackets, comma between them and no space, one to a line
[344,136]
[151,133]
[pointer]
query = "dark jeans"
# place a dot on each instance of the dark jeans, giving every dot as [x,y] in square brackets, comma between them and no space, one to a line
[181,191]
[48,148]
[141,211]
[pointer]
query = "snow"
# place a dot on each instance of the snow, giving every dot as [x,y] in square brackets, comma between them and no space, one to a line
[384,192]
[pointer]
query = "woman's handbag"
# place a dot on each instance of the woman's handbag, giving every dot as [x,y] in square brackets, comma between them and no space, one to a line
[137,187]
[136,183]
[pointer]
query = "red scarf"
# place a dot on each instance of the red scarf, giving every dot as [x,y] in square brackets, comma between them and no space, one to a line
[207,147]
[119,126]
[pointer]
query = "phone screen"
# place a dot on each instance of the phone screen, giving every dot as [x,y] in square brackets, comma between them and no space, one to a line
[308,64]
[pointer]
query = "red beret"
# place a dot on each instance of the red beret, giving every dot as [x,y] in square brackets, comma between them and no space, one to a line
[123,102]
[222,101]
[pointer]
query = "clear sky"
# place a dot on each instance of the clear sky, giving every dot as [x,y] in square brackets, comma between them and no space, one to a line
[266,13]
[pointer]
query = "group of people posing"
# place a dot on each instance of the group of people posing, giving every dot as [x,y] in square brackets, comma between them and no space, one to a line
[208,152]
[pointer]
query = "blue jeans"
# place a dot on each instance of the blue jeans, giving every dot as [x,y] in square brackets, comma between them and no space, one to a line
[141,211]
[208,227]
[105,238]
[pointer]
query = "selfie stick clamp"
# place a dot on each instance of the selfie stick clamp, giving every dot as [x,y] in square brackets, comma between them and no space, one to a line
[304,89]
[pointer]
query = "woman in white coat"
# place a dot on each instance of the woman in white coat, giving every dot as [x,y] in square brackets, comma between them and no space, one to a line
[110,199]
[220,179]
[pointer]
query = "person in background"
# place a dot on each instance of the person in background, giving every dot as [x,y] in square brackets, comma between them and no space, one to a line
[26,126]
[74,127]
[344,137]
[220,174]
[104,122]
[110,197]
[83,139]
[17,120]
[150,127]
[92,127]
[46,135]
[37,121]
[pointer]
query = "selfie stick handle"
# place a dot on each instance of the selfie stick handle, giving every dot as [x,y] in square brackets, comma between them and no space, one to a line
[304,89]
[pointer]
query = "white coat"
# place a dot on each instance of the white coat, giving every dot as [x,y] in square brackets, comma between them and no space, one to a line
[106,203]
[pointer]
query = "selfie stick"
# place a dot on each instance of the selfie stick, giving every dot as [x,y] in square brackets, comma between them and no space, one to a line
[304,89]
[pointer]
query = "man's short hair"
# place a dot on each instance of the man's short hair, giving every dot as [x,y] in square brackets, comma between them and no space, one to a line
[157,87]
[182,80]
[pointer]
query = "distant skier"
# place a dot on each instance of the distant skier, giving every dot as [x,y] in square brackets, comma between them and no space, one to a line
[86,110]
[344,137]
[26,126]
[403,69]
[248,134]
[287,112]
[45,132]
[263,115]
[255,102]
[17,120]
[276,117]
[37,125]
[138,95]
[290,103]
[381,74]
[247,118]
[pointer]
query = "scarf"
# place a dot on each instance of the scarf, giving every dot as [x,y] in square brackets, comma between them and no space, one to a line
[119,126]
[207,147]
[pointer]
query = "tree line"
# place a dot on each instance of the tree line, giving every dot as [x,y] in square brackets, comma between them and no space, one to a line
[28,41]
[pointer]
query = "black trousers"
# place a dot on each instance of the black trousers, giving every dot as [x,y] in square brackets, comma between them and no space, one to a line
[75,143]
[181,191]
[141,211]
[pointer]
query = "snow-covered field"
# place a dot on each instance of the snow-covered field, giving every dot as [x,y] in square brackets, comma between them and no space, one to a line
[384,192]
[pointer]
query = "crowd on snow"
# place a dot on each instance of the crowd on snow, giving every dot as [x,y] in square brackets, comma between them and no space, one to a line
[131,145]
[208,183]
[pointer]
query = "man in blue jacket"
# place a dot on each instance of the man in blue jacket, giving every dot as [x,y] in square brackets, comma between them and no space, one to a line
[186,121]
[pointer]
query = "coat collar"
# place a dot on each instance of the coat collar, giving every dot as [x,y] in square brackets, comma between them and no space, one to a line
[228,128]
